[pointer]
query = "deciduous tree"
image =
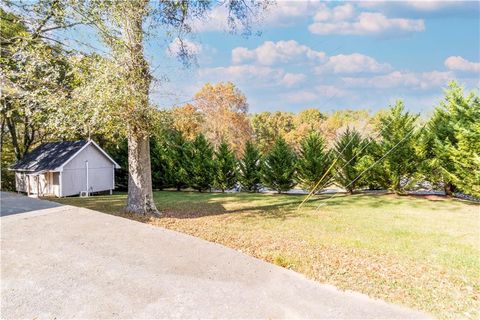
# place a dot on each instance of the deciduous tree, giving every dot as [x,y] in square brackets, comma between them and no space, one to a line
[224,109]
[122,25]
[270,126]
[187,120]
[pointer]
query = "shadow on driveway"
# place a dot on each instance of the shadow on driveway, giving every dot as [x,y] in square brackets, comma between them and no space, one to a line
[13,203]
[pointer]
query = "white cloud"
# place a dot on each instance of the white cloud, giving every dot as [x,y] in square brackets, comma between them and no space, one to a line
[215,20]
[314,94]
[352,63]
[280,14]
[301,96]
[399,79]
[291,79]
[270,53]
[244,73]
[458,63]
[192,48]
[425,5]
[331,91]
[285,13]
[338,13]
[343,20]
[261,75]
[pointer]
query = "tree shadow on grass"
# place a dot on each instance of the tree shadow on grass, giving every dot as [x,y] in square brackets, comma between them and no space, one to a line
[216,208]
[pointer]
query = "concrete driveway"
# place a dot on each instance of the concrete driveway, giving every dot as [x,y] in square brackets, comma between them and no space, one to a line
[69,262]
[13,203]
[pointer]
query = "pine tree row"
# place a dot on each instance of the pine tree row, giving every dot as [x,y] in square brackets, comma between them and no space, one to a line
[403,154]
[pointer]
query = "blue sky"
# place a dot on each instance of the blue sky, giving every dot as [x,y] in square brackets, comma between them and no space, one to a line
[331,55]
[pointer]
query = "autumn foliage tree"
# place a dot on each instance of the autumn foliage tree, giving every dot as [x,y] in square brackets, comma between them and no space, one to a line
[224,109]
[187,120]
[268,127]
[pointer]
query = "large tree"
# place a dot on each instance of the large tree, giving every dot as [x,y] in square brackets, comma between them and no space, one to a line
[451,142]
[35,82]
[187,120]
[122,26]
[305,122]
[224,108]
[268,127]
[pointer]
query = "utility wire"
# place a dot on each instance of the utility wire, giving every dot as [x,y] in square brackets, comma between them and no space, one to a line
[312,192]
[375,163]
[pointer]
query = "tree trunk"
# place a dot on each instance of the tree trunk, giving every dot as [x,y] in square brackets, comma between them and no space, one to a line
[137,110]
[448,188]
[140,195]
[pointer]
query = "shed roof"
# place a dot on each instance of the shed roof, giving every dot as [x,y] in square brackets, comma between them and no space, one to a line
[50,156]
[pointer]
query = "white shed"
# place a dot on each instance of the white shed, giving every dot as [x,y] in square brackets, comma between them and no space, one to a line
[65,168]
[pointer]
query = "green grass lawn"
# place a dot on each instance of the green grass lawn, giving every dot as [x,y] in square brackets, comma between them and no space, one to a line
[419,252]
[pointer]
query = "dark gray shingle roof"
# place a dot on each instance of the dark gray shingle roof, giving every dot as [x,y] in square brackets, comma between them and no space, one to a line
[49,156]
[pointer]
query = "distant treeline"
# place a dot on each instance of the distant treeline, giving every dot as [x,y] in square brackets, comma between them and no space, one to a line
[398,154]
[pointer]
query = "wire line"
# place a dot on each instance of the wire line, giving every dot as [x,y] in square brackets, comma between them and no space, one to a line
[375,163]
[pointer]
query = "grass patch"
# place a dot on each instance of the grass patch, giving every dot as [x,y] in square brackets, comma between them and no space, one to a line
[419,252]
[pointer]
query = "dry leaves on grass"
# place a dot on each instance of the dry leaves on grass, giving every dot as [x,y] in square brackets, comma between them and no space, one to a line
[394,279]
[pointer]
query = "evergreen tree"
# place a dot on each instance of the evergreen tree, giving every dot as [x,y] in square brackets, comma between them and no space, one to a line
[177,159]
[399,141]
[159,163]
[349,149]
[250,168]
[201,165]
[452,143]
[313,162]
[119,152]
[226,168]
[278,171]
[373,178]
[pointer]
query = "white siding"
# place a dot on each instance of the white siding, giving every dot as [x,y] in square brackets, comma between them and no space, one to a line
[55,186]
[20,182]
[25,182]
[100,173]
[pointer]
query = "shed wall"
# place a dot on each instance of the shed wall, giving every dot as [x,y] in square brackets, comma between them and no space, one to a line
[20,181]
[100,173]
